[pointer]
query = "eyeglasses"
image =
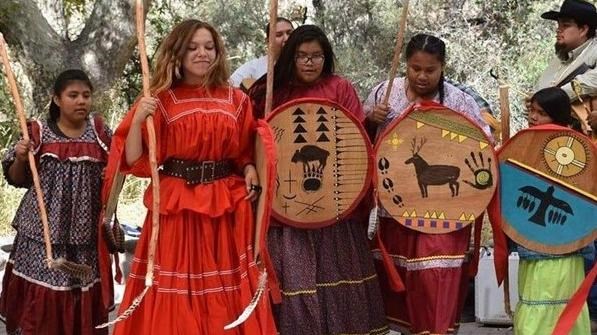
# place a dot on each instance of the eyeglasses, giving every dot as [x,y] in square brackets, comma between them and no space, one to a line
[304,59]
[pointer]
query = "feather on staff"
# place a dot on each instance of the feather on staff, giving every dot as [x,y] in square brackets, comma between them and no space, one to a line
[273,17]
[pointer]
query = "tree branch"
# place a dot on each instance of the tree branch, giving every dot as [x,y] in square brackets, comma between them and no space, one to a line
[24,27]
[36,45]
[107,40]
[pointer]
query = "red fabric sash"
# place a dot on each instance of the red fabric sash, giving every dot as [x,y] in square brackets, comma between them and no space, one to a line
[393,277]
[264,131]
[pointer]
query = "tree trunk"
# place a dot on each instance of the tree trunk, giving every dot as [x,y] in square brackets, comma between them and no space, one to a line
[101,50]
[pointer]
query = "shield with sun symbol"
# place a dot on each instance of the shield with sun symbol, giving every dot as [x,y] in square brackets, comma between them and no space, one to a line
[323,168]
[548,189]
[436,170]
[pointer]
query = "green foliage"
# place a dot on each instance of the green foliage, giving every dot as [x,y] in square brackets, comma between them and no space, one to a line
[10,198]
[73,7]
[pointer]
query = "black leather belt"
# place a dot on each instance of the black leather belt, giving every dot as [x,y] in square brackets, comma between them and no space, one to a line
[195,172]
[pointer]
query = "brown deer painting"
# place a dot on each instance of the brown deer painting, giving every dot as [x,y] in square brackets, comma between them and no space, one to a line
[432,174]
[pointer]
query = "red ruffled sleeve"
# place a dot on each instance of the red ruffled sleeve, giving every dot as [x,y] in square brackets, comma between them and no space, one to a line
[247,127]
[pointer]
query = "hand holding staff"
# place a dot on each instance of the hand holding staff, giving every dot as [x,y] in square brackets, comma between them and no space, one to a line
[155,181]
[262,283]
[81,271]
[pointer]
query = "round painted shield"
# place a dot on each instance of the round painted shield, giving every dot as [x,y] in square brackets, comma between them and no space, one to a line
[324,166]
[548,190]
[436,169]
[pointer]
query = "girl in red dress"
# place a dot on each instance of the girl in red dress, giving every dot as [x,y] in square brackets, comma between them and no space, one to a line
[205,273]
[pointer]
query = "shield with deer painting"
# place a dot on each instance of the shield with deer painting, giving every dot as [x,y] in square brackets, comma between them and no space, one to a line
[436,169]
[323,167]
[548,193]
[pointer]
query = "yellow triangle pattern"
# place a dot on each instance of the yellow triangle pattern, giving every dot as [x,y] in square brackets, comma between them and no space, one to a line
[441,216]
[471,217]
[434,215]
[413,214]
[461,138]
[405,214]
[426,216]
[445,132]
[453,136]
[462,217]
[483,145]
[420,125]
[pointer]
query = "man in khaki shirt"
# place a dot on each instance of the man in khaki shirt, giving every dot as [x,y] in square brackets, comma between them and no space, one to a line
[576,50]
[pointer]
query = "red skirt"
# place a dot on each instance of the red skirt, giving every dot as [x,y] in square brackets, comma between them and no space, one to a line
[434,269]
[205,276]
[37,300]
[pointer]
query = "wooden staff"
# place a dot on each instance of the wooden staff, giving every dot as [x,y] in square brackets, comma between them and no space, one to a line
[505,111]
[397,52]
[373,215]
[586,106]
[269,89]
[269,85]
[262,282]
[81,271]
[155,181]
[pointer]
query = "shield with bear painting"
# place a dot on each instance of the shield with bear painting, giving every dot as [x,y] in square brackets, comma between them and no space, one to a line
[548,193]
[323,167]
[436,169]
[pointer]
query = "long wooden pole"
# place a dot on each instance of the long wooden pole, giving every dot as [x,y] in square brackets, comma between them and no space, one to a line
[505,111]
[397,51]
[82,271]
[269,94]
[155,179]
[262,282]
[23,125]
[269,85]
[586,106]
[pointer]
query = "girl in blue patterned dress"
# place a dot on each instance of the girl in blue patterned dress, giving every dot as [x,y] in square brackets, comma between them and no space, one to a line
[70,150]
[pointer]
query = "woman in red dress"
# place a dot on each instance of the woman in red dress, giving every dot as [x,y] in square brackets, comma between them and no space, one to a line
[205,273]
